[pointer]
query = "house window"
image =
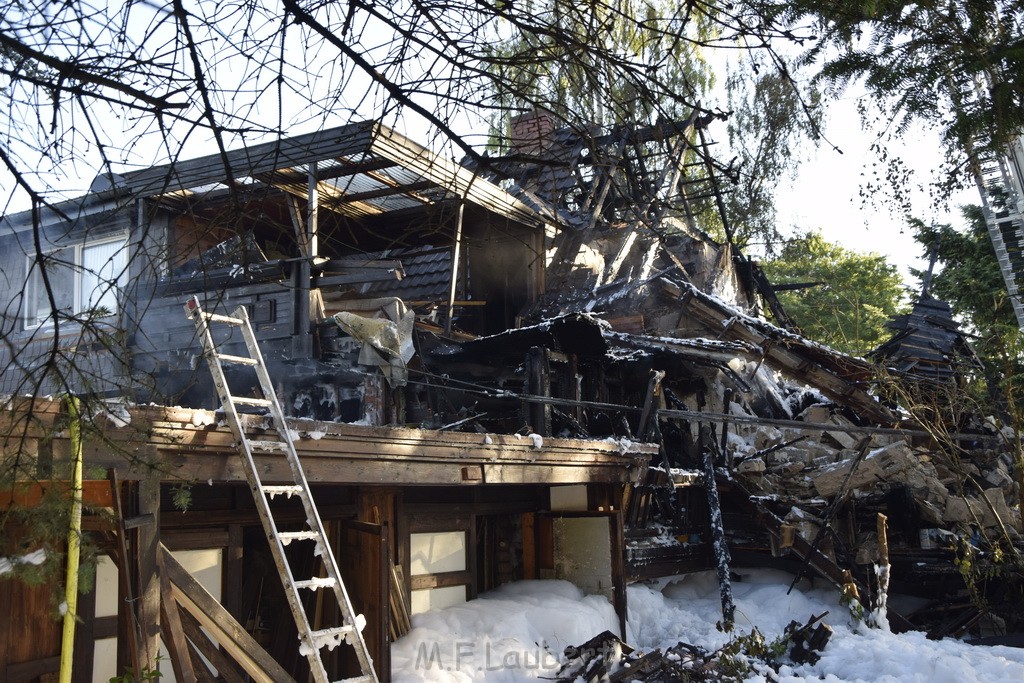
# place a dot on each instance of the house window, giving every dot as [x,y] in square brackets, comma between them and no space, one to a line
[83,277]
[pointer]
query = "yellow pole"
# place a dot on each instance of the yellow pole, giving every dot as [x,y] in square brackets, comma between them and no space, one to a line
[67,649]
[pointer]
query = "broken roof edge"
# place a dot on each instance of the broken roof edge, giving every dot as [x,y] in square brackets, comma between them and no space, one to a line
[839,376]
[263,160]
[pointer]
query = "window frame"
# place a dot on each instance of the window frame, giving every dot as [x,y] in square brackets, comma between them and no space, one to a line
[30,318]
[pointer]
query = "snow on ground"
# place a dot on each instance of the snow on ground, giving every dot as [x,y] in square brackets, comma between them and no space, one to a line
[519,631]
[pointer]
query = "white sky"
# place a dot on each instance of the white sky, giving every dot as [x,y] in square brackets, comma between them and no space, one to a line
[826,192]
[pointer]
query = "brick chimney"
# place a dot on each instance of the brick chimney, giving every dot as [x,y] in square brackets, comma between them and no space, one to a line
[530,133]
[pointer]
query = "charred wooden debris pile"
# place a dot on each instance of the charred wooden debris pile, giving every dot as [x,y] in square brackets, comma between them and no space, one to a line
[647,329]
[808,445]
[624,320]
[606,658]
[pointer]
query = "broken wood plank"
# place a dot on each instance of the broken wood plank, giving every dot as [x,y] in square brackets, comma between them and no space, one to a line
[225,667]
[223,628]
[170,627]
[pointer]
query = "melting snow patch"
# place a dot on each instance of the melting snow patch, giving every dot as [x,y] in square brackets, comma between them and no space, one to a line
[537,439]
[202,418]
[35,557]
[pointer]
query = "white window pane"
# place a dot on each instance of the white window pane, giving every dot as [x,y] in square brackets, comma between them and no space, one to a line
[436,598]
[438,552]
[102,275]
[61,275]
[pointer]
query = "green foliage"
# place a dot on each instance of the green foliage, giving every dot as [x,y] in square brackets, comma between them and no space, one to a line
[770,119]
[181,496]
[971,281]
[129,676]
[622,61]
[737,658]
[858,293]
[970,278]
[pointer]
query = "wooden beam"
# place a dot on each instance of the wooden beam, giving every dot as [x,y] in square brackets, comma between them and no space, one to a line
[233,571]
[443,580]
[223,628]
[170,626]
[148,576]
[352,454]
[31,671]
[226,668]
[454,281]
[85,638]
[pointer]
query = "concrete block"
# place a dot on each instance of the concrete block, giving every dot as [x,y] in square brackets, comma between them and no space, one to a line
[829,479]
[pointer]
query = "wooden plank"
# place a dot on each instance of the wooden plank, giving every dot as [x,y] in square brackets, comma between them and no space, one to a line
[195,539]
[226,668]
[95,493]
[31,671]
[443,580]
[148,576]
[173,634]
[85,638]
[400,622]
[233,572]
[223,628]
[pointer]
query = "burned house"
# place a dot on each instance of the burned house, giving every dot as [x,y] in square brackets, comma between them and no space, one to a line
[537,367]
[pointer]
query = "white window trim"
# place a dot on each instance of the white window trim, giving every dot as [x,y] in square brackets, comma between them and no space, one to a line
[76,295]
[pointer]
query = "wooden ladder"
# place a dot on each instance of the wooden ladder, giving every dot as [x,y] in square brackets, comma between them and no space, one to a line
[312,641]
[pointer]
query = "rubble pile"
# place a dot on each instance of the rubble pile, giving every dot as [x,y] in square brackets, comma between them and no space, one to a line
[972,491]
[606,658]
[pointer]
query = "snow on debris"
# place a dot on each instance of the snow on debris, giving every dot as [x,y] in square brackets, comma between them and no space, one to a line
[519,632]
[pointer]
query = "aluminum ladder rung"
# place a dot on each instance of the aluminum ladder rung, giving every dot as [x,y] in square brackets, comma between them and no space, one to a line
[316,583]
[246,401]
[312,640]
[330,637]
[287,537]
[287,491]
[237,360]
[227,319]
[269,446]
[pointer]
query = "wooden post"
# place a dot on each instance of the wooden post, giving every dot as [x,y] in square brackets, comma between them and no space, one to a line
[233,556]
[128,646]
[529,546]
[539,384]
[879,617]
[718,544]
[311,242]
[302,338]
[618,560]
[456,255]
[653,391]
[148,573]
